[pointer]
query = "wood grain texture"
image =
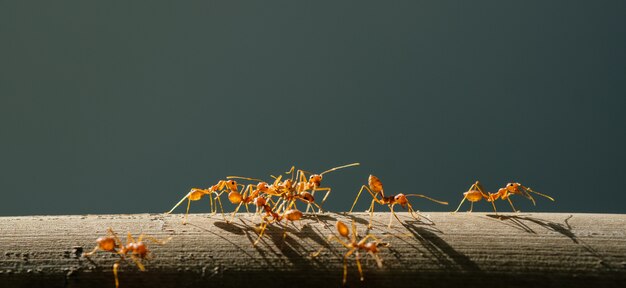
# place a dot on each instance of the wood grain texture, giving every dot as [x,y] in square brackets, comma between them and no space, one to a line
[471,250]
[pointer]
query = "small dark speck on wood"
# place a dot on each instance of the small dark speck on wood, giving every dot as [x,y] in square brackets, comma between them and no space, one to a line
[462,249]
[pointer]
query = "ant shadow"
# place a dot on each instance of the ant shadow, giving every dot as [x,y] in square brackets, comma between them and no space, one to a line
[230,227]
[287,247]
[440,250]
[518,222]
[565,229]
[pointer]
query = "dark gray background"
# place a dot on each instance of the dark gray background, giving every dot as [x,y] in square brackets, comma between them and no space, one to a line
[117,107]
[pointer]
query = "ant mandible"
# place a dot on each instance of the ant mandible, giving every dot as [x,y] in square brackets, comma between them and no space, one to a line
[376,187]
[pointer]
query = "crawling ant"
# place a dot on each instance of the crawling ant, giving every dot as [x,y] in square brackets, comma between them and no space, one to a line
[376,187]
[355,246]
[137,250]
[516,189]
[314,182]
[290,215]
[196,194]
[476,193]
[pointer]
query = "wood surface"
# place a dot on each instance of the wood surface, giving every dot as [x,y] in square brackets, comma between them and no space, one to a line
[449,250]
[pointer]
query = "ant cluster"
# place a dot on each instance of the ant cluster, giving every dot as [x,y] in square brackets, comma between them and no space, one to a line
[277,200]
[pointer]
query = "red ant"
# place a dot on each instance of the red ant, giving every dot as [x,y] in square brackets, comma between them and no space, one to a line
[196,194]
[355,246]
[314,182]
[516,189]
[476,193]
[137,249]
[290,215]
[376,187]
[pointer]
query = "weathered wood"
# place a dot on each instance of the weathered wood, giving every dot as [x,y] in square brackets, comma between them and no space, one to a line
[537,249]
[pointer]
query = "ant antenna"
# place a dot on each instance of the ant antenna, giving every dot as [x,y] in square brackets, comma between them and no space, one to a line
[340,167]
[244,178]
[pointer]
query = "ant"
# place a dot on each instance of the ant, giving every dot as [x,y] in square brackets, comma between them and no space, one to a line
[196,194]
[314,182]
[136,248]
[518,189]
[289,214]
[476,193]
[248,196]
[376,187]
[354,246]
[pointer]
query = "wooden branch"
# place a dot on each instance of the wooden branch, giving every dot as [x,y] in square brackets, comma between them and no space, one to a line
[469,250]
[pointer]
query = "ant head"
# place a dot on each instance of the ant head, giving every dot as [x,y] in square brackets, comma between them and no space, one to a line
[138,248]
[371,247]
[106,243]
[259,201]
[400,199]
[307,196]
[316,179]
[234,197]
[293,214]
[343,229]
[232,185]
[262,186]
[513,187]
[375,184]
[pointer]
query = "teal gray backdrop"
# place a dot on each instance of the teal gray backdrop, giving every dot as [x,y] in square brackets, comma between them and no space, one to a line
[122,106]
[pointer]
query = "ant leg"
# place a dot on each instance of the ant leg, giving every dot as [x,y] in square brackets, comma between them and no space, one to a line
[371,214]
[213,211]
[471,207]
[457,208]
[291,172]
[221,207]
[187,213]
[413,212]
[511,202]
[327,189]
[117,280]
[493,203]
[117,239]
[354,232]
[379,262]
[91,253]
[345,264]
[315,214]
[236,209]
[394,215]
[358,265]
[129,238]
[178,204]
[157,241]
[247,209]
[359,194]
[138,263]
[263,226]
